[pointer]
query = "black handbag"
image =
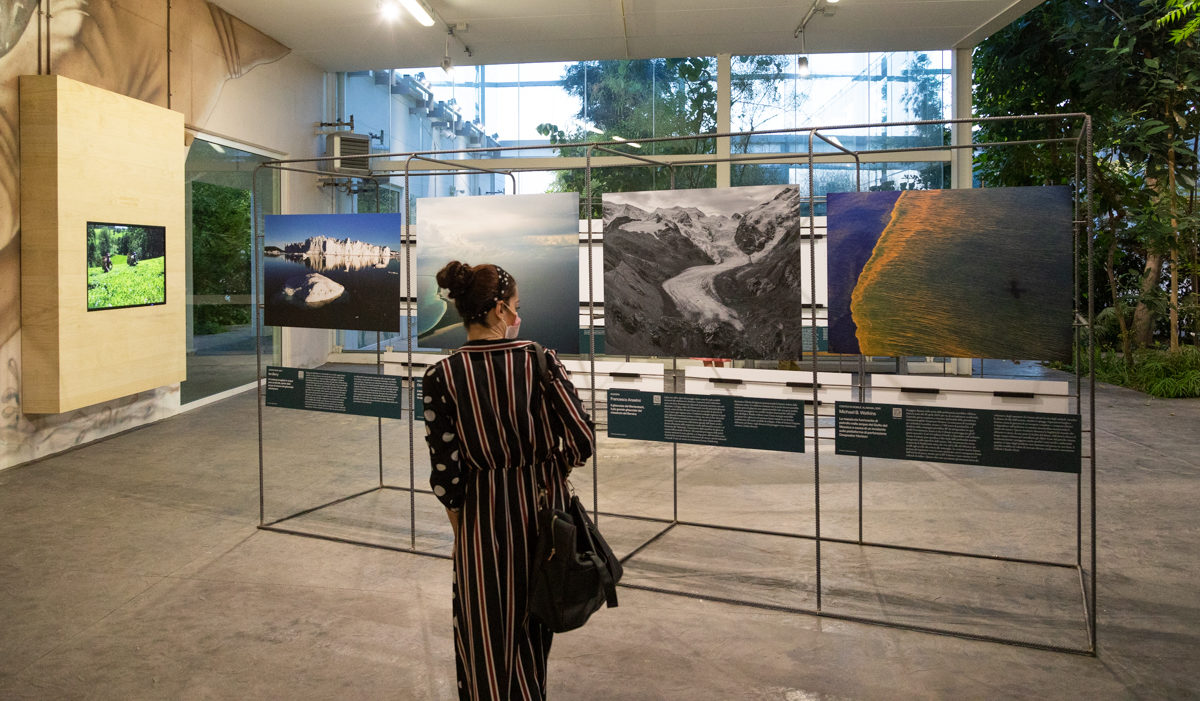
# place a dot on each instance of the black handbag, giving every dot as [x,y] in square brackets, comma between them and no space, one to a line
[574,570]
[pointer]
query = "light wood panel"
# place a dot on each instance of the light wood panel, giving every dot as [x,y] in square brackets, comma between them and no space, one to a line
[88,154]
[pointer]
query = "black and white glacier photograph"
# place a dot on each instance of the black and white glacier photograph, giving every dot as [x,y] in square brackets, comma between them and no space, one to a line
[708,273]
[333,271]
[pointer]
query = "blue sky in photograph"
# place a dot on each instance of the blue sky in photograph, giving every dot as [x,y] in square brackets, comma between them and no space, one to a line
[377,229]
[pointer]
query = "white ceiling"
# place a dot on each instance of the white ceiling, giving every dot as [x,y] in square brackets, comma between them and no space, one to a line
[346,35]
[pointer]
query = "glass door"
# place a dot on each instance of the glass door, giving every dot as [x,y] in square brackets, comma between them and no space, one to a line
[222,289]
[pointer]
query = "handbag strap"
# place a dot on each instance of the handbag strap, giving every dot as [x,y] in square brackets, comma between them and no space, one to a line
[539,356]
[606,579]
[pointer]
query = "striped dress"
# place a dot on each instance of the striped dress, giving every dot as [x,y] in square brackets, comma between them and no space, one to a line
[488,436]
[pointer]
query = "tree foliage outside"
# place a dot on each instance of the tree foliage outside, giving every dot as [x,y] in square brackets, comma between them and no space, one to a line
[637,100]
[120,239]
[1181,12]
[1116,62]
[221,254]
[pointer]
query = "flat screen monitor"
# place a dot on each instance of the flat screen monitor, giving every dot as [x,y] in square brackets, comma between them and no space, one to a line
[126,265]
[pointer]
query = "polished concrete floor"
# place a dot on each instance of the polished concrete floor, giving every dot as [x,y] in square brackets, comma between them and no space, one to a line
[133,569]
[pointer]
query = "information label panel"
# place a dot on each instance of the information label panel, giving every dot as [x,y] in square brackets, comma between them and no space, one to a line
[735,422]
[335,392]
[1017,439]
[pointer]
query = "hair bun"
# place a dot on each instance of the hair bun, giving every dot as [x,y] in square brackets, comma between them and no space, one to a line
[456,277]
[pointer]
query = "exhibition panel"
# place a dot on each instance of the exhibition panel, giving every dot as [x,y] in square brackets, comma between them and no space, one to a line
[533,237]
[734,274]
[969,273]
[333,271]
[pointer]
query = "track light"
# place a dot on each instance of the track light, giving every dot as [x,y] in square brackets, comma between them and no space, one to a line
[447,62]
[419,10]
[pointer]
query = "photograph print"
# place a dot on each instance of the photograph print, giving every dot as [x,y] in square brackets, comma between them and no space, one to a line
[533,237]
[333,271]
[972,273]
[712,273]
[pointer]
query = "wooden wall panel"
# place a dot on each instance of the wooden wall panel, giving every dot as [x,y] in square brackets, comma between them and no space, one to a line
[92,155]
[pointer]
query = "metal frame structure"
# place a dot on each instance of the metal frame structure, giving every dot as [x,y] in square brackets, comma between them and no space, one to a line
[457,162]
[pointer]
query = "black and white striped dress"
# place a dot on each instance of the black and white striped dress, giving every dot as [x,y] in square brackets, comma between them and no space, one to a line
[487,435]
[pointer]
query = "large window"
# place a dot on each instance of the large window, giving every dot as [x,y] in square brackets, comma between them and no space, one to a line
[771,92]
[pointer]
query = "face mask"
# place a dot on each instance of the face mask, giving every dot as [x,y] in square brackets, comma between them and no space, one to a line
[511,330]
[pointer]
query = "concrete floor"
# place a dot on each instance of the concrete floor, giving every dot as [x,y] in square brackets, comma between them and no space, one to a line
[132,569]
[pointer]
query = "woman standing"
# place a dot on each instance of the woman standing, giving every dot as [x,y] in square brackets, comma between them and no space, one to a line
[493,444]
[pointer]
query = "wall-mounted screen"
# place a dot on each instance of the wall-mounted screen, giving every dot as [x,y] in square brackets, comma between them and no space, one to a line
[126,265]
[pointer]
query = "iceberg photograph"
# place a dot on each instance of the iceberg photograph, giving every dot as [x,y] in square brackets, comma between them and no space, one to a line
[973,273]
[712,273]
[533,237]
[333,271]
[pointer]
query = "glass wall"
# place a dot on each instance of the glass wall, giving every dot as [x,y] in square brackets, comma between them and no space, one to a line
[220,282]
[772,92]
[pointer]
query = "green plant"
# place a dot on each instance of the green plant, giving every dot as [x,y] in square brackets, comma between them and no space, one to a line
[1159,373]
[127,285]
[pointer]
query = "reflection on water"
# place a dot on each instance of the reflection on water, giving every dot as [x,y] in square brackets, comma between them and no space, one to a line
[322,262]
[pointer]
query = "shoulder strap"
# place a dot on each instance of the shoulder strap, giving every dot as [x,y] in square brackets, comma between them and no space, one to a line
[539,355]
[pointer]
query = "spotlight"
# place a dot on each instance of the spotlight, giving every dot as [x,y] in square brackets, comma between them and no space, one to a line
[389,11]
[802,67]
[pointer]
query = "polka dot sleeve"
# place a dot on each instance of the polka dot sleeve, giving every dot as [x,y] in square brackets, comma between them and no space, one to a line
[441,434]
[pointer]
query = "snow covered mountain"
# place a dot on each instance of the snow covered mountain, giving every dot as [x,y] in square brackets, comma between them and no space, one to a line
[330,246]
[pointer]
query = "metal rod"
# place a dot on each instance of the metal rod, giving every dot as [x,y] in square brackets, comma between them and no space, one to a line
[408,333]
[1091,301]
[816,452]
[697,137]
[863,619]
[1078,347]
[646,544]
[587,191]
[675,450]
[327,504]
[255,203]
[168,54]
[49,37]
[351,541]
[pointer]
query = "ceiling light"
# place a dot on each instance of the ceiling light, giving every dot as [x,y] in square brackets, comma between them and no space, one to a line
[802,67]
[832,2]
[419,10]
[389,11]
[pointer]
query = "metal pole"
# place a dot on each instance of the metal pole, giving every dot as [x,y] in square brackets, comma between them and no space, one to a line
[812,264]
[258,334]
[1079,360]
[412,399]
[587,190]
[1091,303]
[674,450]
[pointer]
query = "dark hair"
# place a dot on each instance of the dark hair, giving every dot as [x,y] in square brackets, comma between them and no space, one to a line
[475,289]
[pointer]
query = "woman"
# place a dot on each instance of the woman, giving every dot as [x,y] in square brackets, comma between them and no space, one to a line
[495,440]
